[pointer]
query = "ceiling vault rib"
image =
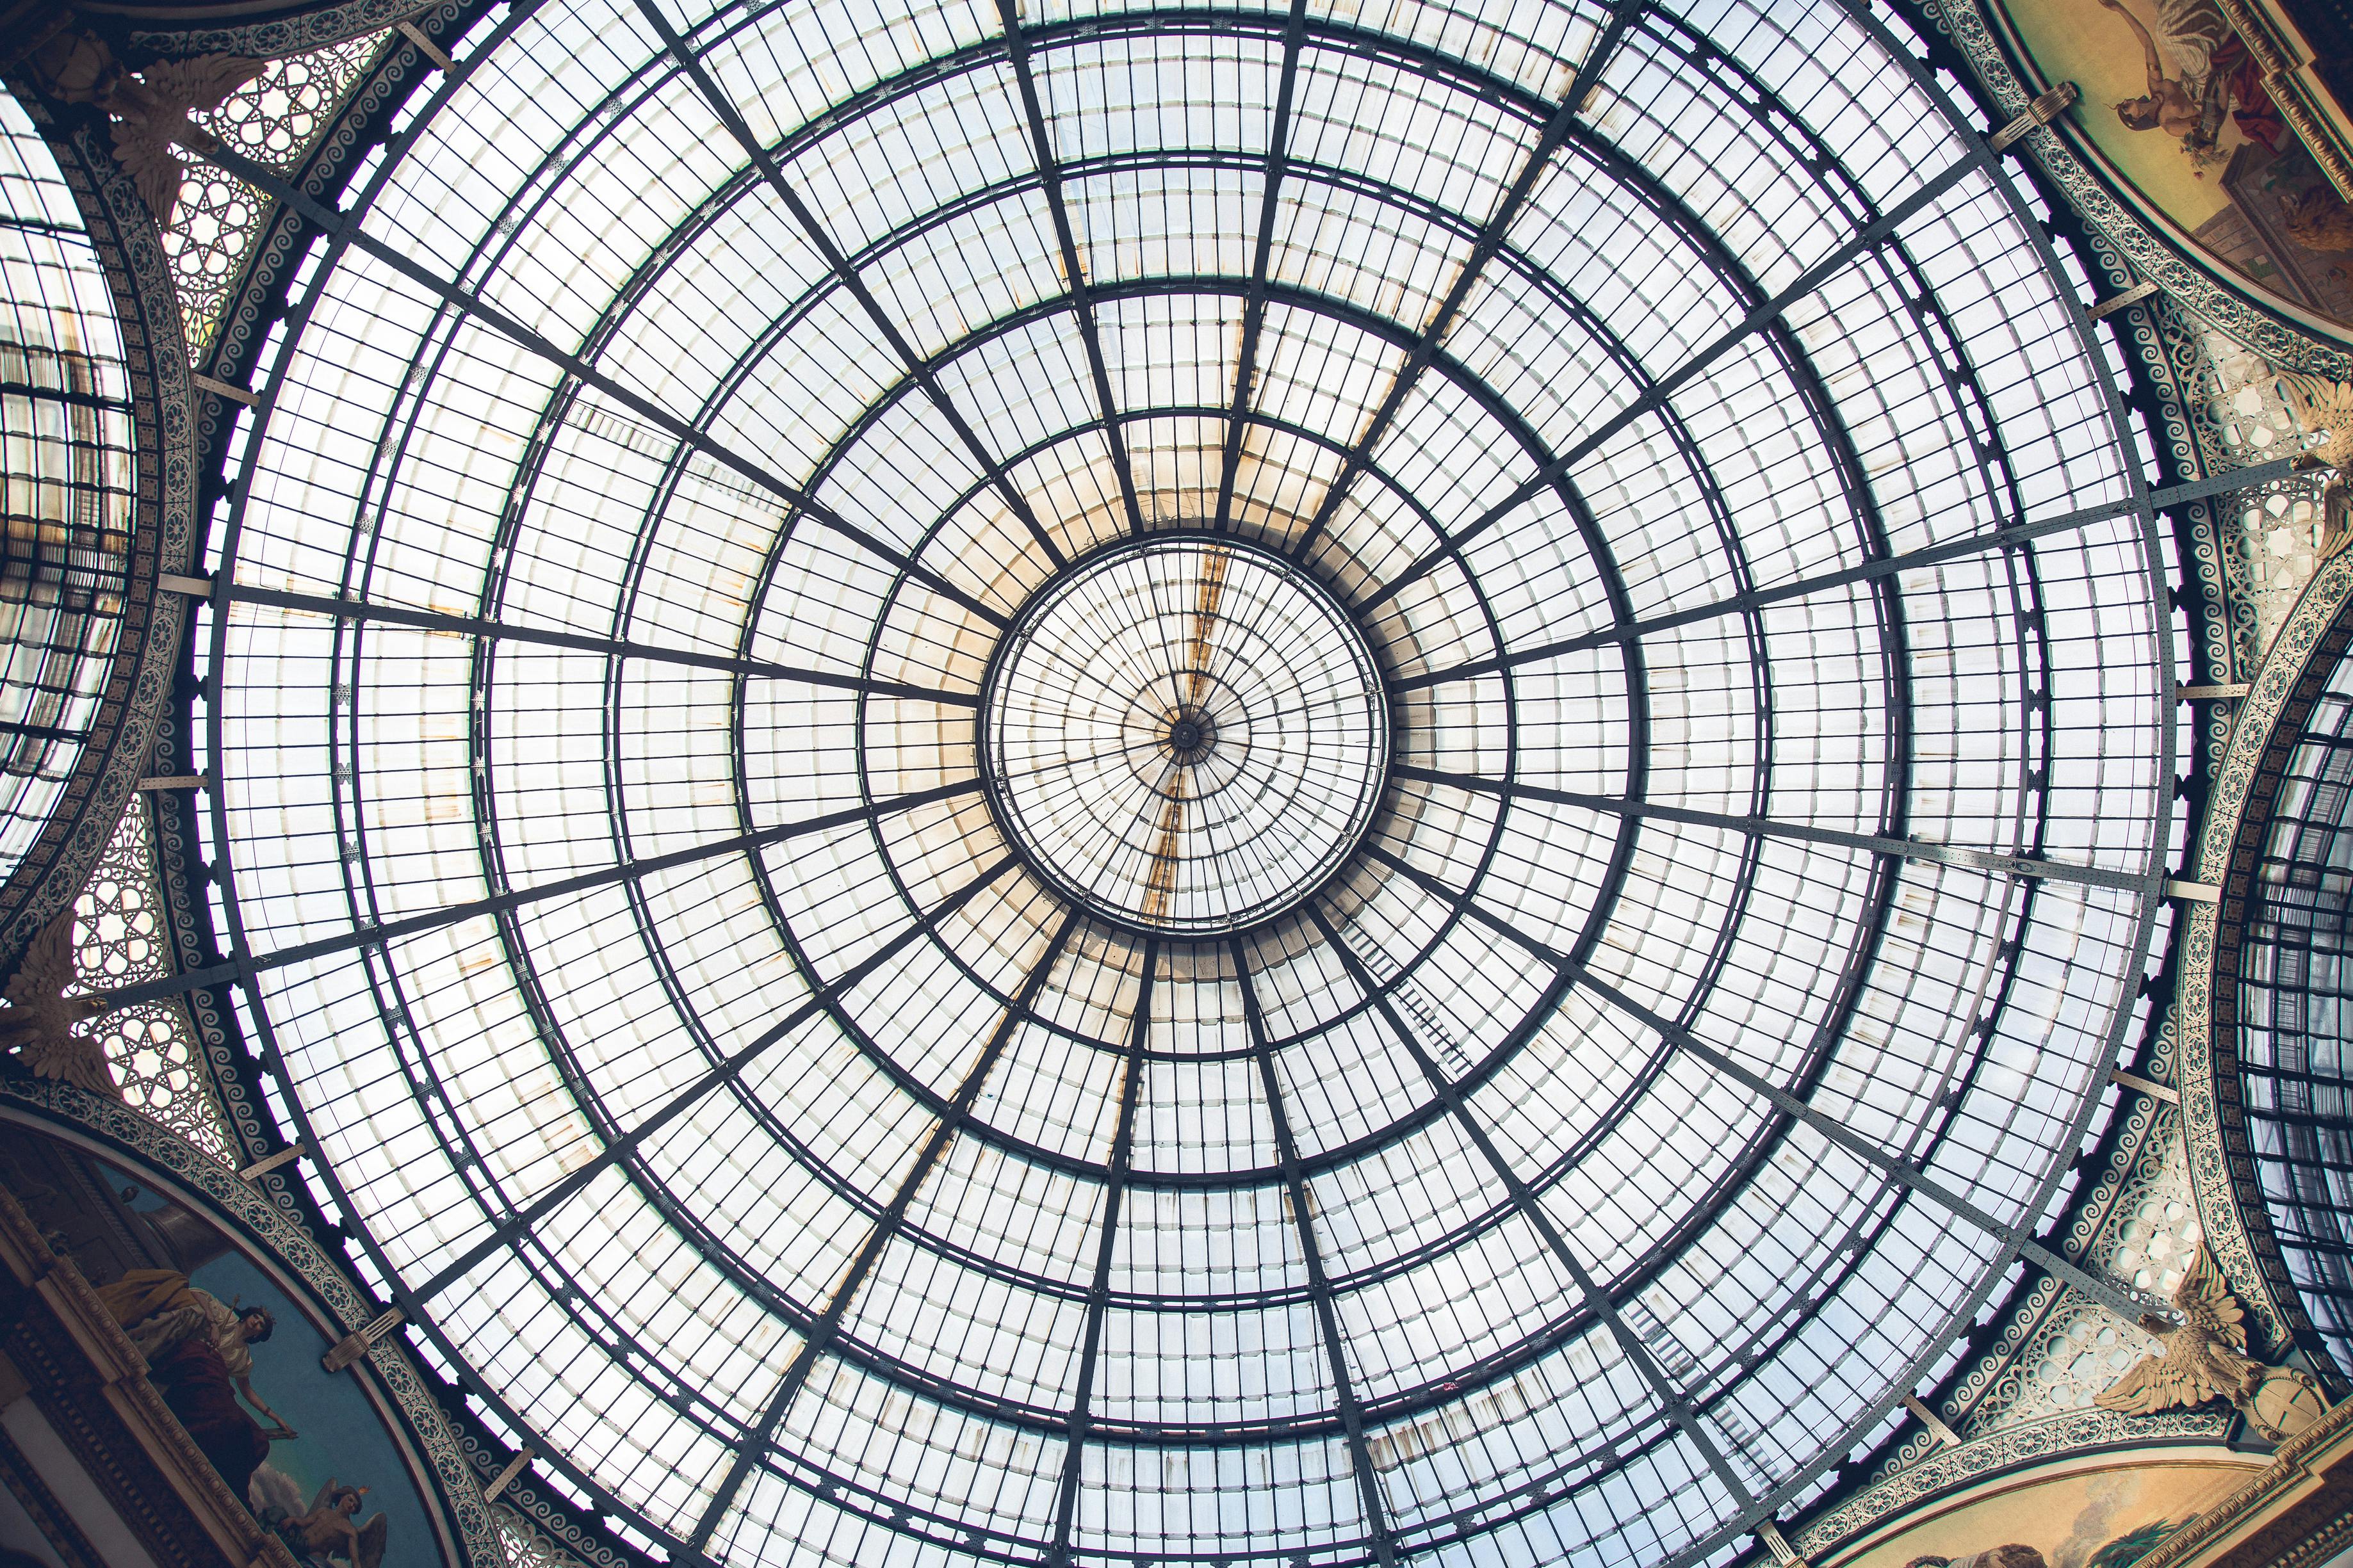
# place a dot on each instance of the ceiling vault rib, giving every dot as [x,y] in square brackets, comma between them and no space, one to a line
[822,1332]
[2109,1293]
[367,612]
[1797,832]
[1074,274]
[1483,251]
[2009,538]
[836,477]
[1675,1402]
[519,1224]
[691,65]
[1294,39]
[1122,1154]
[1866,240]
[2112,1294]
[516,898]
[474,307]
[1319,1286]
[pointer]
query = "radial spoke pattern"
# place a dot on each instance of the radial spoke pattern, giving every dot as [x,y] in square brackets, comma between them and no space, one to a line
[1181,785]
[1185,734]
[2298,986]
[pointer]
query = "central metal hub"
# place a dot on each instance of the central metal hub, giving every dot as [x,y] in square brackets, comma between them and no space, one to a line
[1185,734]
[1190,736]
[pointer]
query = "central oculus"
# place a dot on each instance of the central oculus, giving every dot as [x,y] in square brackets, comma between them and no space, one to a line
[1185,734]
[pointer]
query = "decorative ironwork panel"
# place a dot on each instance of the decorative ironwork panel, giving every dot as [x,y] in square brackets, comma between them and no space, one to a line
[119,940]
[273,119]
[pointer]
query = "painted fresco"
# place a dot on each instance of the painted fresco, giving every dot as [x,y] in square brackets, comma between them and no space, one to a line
[2084,1516]
[2174,105]
[235,1358]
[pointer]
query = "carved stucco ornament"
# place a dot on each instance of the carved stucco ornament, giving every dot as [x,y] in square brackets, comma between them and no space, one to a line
[2204,1357]
[42,1023]
[150,108]
[2325,408]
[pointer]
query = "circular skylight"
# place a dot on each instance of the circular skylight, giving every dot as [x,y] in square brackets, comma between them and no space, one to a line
[1184,734]
[1160,785]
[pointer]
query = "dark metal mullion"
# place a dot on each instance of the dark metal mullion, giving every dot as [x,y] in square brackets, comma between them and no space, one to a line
[814,231]
[1674,1401]
[1899,1172]
[1483,251]
[472,305]
[620,1150]
[2015,1240]
[820,1334]
[1123,1152]
[1075,275]
[1319,1287]
[1866,240]
[1294,39]
[1885,566]
[583,642]
[1992,860]
[499,903]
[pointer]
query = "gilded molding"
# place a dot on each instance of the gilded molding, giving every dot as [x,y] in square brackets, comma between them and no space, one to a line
[2289,1465]
[2005,1449]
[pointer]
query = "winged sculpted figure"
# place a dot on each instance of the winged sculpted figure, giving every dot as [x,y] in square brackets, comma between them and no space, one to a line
[150,108]
[2204,1357]
[39,1022]
[2325,408]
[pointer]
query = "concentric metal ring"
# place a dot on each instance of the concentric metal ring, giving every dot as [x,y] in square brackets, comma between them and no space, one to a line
[1184,734]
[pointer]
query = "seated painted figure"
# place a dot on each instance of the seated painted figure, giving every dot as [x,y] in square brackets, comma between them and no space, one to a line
[198,1354]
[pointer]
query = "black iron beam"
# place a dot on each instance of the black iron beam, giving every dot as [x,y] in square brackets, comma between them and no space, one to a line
[1870,570]
[468,303]
[361,610]
[2018,1239]
[393,930]
[1483,248]
[691,65]
[1897,1172]
[1122,1154]
[1866,240]
[1074,272]
[820,1334]
[1798,831]
[1319,1286]
[1674,1401]
[523,1220]
[1294,39]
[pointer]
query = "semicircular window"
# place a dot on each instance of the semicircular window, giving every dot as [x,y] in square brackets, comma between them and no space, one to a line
[65,445]
[1126,784]
[2295,978]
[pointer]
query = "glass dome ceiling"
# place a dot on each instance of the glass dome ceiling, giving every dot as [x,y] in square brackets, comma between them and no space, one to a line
[1620,555]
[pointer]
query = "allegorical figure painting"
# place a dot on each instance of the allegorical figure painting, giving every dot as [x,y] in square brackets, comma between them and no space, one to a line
[199,1354]
[235,1359]
[2176,107]
[2091,1511]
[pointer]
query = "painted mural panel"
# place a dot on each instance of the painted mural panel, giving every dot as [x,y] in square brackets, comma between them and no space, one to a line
[236,1359]
[2103,1513]
[2177,109]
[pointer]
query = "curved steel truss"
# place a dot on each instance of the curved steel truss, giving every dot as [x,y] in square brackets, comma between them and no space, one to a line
[2294,990]
[1681,984]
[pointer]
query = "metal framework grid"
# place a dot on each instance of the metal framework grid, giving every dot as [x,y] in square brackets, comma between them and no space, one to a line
[2294,987]
[65,440]
[1691,417]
